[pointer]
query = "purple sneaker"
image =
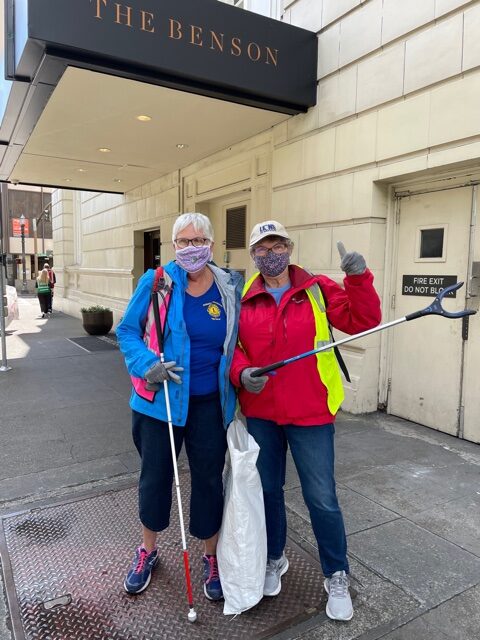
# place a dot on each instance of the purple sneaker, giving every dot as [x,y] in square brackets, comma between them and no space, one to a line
[211,580]
[140,574]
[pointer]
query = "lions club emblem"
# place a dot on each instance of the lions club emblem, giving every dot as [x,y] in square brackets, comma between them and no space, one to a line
[213,310]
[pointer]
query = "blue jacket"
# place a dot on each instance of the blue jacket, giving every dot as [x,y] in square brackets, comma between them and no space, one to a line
[138,358]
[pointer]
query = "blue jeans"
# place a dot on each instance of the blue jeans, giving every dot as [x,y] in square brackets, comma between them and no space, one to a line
[314,456]
[205,444]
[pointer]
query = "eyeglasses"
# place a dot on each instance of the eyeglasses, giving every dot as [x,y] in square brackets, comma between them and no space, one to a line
[196,242]
[262,251]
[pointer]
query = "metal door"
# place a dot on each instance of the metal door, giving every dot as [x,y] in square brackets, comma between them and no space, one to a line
[432,231]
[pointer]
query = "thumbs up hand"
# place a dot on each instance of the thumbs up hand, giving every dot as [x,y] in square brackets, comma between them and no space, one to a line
[352,263]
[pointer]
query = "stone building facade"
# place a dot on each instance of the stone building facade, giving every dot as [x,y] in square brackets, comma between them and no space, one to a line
[388,161]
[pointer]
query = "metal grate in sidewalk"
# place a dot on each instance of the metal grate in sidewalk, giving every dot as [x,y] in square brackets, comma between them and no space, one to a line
[95,343]
[64,567]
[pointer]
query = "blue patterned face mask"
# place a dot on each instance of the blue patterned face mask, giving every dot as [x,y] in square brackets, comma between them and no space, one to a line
[273,264]
[193,259]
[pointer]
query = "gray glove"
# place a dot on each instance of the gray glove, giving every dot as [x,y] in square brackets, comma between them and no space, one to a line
[159,372]
[253,385]
[353,263]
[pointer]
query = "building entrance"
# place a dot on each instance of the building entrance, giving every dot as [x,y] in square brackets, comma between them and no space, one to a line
[151,250]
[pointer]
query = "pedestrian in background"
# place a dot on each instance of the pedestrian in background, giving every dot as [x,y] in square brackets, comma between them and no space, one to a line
[53,279]
[287,311]
[199,314]
[44,292]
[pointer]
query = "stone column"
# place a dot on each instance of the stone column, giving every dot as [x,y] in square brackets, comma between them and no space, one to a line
[63,240]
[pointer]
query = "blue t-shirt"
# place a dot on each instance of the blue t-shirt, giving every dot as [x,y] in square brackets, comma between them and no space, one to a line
[206,324]
[277,292]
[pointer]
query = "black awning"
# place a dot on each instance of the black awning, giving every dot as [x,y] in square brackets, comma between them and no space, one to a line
[204,47]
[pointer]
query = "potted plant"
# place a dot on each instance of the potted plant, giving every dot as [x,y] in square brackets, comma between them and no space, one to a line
[97,320]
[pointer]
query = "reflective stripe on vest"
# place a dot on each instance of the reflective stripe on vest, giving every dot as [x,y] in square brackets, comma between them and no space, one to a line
[327,364]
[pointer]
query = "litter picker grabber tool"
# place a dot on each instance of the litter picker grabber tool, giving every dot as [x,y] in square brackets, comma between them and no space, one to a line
[433,309]
[192,615]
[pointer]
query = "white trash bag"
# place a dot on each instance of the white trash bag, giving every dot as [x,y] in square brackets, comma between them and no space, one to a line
[242,543]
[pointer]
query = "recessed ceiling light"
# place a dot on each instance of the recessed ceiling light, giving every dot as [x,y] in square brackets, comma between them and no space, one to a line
[82,170]
[182,145]
[116,180]
[144,118]
[104,150]
[67,179]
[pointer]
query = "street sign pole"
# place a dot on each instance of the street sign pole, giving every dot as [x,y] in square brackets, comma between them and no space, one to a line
[24,259]
[4,364]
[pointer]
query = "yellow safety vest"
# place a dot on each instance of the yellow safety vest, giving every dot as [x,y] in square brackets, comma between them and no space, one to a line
[327,364]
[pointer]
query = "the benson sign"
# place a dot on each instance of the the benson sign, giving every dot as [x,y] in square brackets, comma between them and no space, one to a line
[197,35]
[201,46]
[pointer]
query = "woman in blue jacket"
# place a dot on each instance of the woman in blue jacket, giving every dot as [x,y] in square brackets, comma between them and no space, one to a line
[199,314]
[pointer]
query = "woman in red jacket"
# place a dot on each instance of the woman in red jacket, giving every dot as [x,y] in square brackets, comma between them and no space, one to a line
[286,311]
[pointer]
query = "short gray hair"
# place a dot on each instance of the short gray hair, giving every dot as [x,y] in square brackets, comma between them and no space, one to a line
[200,223]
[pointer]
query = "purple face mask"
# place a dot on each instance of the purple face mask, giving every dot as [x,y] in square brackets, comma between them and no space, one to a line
[193,259]
[273,264]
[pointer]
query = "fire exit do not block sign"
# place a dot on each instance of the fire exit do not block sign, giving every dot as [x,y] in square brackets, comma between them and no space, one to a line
[428,286]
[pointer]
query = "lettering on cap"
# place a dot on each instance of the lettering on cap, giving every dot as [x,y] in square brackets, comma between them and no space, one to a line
[267,227]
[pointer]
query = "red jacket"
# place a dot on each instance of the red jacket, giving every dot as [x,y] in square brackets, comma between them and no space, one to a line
[269,333]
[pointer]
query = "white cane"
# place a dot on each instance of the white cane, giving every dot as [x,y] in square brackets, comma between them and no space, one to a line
[192,615]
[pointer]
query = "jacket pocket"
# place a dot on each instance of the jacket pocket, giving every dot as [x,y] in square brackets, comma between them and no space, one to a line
[139,385]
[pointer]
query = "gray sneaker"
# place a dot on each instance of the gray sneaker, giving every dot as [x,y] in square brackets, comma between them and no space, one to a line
[339,605]
[273,575]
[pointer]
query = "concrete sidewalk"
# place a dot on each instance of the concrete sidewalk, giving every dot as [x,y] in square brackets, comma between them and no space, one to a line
[410,495]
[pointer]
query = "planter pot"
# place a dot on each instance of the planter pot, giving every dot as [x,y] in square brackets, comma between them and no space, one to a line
[97,323]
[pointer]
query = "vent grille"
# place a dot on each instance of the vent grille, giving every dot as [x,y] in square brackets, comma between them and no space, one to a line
[236,228]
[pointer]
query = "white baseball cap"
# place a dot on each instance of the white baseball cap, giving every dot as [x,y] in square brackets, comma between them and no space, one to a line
[268,228]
